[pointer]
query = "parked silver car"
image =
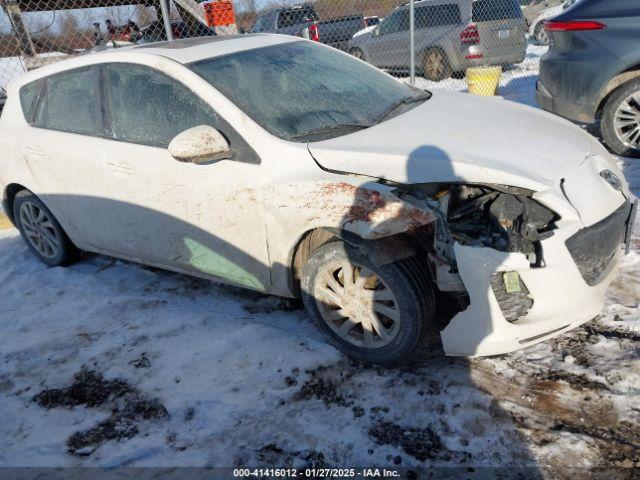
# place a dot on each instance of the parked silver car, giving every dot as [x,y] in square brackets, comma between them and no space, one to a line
[451,35]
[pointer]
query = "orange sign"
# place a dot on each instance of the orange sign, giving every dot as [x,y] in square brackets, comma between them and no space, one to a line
[219,13]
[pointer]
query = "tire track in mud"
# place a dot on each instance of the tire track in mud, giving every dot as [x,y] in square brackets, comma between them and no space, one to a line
[552,402]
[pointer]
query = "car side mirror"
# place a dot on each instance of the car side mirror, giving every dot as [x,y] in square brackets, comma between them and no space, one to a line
[376,31]
[201,144]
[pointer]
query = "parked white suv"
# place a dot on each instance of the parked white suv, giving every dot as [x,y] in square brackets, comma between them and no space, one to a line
[288,167]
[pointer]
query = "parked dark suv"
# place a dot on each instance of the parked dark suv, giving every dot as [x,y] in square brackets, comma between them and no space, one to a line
[591,73]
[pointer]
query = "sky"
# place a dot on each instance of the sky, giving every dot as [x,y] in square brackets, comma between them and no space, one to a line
[53,20]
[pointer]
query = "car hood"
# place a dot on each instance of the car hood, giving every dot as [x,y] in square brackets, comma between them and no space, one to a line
[455,137]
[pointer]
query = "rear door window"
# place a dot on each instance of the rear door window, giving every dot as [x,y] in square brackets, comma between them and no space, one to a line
[71,103]
[489,10]
[431,16]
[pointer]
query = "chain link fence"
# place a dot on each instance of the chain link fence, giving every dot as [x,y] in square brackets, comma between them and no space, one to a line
[429,43]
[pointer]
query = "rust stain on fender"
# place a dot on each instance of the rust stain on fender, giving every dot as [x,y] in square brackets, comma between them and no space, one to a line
[369,211]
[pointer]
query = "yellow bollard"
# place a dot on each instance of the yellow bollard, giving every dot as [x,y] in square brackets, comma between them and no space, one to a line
[483,81]
[4,222]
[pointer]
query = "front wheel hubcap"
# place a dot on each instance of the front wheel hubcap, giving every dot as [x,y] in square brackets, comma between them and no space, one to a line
[626,121]
[357,305]
[39,230]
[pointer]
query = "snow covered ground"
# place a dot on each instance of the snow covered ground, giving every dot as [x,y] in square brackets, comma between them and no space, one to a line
[518,82]
[168,370]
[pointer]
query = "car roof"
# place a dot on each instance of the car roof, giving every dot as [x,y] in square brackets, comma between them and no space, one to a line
[183,51]
[190,50]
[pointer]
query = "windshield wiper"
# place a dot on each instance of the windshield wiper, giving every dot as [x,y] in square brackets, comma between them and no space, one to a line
[405,101]
[330,128]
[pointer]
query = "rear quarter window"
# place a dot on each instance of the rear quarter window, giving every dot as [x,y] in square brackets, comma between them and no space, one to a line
[70,102]
[489,10]
[28,99]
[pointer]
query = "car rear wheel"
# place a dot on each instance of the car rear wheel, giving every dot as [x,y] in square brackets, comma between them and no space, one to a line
[541,35]
[374,313]
[359,54]
[41,231]
[620,122]
[435,66]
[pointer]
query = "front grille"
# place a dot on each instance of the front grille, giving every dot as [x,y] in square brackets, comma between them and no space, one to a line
[514,305]
[594,248]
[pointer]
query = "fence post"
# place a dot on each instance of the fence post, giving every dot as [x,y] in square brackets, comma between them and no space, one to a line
[20,30]
[412,42]
[164,8]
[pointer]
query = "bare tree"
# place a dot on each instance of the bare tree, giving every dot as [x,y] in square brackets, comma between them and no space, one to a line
[143,16]
[119,15]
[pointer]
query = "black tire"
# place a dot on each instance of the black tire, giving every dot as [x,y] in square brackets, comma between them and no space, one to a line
[435,65]
[359,54]
[406,279]
[66,253]
[540,34]
[607,128]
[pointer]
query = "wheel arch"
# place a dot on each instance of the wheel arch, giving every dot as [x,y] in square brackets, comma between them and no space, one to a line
[422,55]
[8,197]
[619,80]
[382,251]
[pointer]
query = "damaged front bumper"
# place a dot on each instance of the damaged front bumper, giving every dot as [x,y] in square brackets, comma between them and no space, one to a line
[561,299]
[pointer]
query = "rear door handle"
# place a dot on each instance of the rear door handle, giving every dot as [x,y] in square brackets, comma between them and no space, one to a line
[120,167]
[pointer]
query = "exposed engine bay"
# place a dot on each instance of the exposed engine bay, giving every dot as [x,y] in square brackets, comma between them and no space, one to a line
[504,218]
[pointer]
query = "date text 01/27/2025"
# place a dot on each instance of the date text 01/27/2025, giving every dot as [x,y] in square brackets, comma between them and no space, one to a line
[315,473]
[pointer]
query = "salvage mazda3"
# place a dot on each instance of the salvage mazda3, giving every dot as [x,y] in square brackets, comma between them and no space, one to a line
[288,167]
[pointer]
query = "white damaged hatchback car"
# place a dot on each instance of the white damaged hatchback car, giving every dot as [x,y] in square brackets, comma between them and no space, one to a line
[291,168]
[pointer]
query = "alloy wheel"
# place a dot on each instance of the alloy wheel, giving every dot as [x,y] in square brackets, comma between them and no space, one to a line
[626,121]
[434,65]
[39,230]
[543,37]
[357,304]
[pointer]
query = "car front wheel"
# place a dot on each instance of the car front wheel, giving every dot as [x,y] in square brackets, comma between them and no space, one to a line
[374,313]
[41,231]
[620,122]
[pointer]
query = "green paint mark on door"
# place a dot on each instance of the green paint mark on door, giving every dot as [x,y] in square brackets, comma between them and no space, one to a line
[207,261]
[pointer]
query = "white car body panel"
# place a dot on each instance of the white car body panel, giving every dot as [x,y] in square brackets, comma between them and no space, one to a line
[268,207]
[482,330]
[533,150]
